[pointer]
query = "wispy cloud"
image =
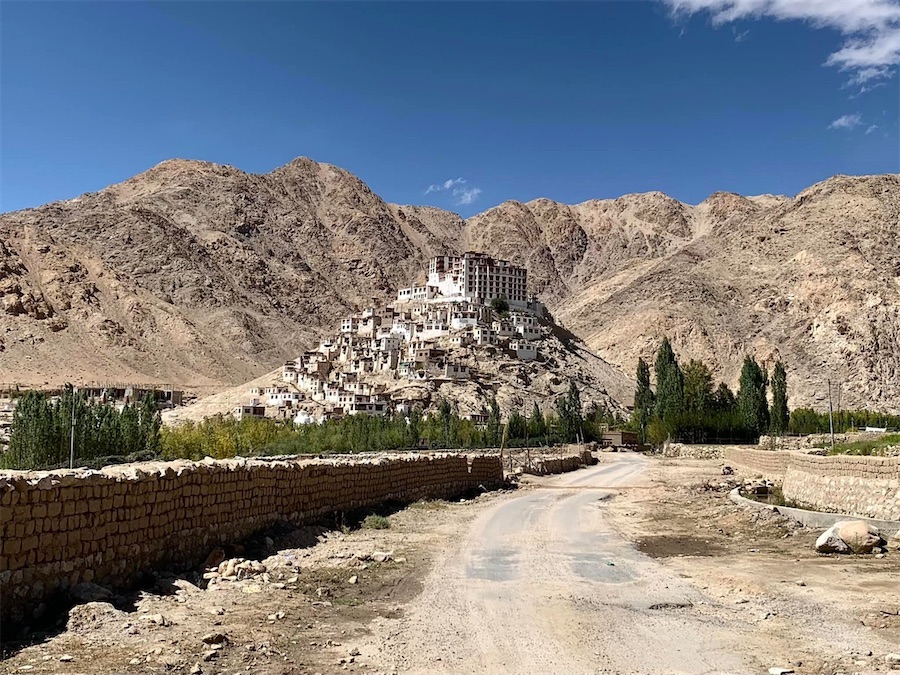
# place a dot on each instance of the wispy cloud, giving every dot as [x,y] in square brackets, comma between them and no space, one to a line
[446,185]
[740,36]
[870,28]
[873,127]
[458,188]
[466,196]
[846,122]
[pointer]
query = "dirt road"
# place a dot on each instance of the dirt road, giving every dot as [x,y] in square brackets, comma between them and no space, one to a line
[635,565]
[541,583]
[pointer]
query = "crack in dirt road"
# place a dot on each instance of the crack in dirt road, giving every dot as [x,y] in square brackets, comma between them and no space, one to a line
[542,583]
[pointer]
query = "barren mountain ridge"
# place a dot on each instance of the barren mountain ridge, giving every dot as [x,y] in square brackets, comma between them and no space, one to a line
[204,276]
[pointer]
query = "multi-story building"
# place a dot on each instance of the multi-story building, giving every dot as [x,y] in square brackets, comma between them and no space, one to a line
[479,278]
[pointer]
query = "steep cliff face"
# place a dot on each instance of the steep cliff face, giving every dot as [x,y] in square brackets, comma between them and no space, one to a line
[204,275]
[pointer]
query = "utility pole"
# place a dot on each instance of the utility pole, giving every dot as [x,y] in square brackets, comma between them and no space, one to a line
[72,433]
[830,416]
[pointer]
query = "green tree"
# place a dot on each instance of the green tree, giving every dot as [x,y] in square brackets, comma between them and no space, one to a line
[751,398]
[493,424]
[500,305]
[698,388]
[643,400]
[33,440]
[445,412]
[414,427]
[149,424]
[723,399]
[537,427]
[517,426]
[569,415]
[779,415]
[669,386]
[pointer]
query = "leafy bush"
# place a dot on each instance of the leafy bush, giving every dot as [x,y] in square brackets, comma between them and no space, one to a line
[375,522]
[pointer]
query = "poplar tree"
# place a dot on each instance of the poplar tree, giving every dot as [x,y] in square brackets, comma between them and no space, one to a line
[493,425]
[698,388]
[780,417]
[751,398]
[643,400]
[669,385]
[537,428]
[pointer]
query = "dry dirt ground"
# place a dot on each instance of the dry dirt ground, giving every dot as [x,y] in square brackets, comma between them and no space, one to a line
[635,565]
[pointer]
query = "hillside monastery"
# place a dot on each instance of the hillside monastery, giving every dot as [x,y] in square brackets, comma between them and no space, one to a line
[413,338]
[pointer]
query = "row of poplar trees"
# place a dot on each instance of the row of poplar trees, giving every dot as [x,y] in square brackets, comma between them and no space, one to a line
[688,406]
[42,431]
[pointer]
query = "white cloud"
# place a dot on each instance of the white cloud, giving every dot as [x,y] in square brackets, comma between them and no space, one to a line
[446,185]
[846,122]
[457,187]
[740,37]
[870,28]
[872,128]
[466,196]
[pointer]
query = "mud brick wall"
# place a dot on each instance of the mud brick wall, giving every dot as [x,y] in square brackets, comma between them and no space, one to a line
[862,486]
[546,465]
[109,526]
[769,464]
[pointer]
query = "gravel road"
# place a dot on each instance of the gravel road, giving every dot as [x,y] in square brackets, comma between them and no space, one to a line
[541,583]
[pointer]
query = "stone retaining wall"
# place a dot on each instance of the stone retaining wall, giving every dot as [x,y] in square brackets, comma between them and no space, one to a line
[688,451]
[65,527]
[862,486]
[540,466]
[767,463]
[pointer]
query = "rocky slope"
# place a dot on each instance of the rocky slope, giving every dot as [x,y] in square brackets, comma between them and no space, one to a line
[813,280]
[204,275]
[199,273]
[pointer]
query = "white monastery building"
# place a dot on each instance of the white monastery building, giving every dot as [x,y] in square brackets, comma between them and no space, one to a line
[472,277]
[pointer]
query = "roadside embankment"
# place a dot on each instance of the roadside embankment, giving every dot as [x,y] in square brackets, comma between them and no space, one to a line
[856,485]
[699,451]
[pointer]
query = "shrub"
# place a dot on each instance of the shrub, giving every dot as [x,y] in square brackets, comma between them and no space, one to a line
[375,522]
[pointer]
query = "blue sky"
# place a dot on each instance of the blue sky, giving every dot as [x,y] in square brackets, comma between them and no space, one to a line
[458,105]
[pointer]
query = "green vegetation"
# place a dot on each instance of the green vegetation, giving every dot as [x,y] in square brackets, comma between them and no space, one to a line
[807,421]
[42,430]
[644,400]
[375,522]
[688,407]
[779,415]
[500,306]
[867,447]
[751,398]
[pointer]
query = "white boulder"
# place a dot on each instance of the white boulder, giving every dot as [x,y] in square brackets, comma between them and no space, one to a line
[858,535]
[829,542]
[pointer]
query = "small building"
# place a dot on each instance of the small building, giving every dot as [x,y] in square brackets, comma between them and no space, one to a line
[524,350]
[528,332]
[242,411]
[456,371]
[503,328]
[484,336]
[351,324]
[462,340]
[618,437]
[416,293]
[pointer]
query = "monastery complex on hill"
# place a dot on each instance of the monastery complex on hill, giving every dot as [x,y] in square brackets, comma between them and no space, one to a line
[419,336]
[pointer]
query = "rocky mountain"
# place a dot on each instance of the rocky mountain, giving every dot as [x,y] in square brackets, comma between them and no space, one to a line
[204,275]
[199,273]
[813,280]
